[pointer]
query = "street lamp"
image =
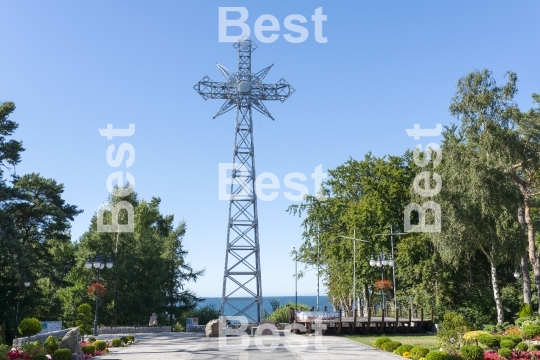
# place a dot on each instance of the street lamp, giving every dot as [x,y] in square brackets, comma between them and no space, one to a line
[354,239]
[392,233]
[381,262]
[295,279]
[98,263]
[517,274]
[26,285]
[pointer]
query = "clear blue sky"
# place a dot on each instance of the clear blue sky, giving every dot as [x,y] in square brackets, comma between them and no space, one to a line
[73,67]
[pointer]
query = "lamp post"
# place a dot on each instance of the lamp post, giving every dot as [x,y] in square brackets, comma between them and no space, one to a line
[354,239]
[26,285]
[392,233]
[381,262]
[295,279]
[99,263]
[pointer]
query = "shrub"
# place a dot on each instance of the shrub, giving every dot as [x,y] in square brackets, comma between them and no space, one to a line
[403,348]
[178,327]
[472,336]
[406,355]
[29,327]
[436,355]
[535,347]
[62,354]
[100,345]
[472,352]
[91,339]
[89,349]
[530,331]
[418,352]
[390,346]
[505,352]
[380,341]
[453,357]
[515,339]
[525,311]
[115,343]
[280,315]
[507,344]
[37,343]
[491,341]
[130,338]
[454,326]
[522,346]
[33,349]
[124,339]
[51,344]
[39,357]
[4,349]
[84,319]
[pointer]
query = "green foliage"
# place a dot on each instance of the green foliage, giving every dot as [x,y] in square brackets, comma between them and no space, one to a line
[380,341]
[89,349]
[116,342]
[505,352]
[130,338]
[418,352]
[535,347]
[84,319]
[178,327]
[522,346]
[509,344]
[205,314]
[100,345]
[436,355]
[453,357]
[29,327]
[281,314]
[454,327]
[39,357]
[403,348]
[32,348]
[124,339]
[530,331]
[4,349]
[62,354]
[525,311]
[390,346]
[51,344]
[91,339]
[534,319]
[472,352]
[491,341]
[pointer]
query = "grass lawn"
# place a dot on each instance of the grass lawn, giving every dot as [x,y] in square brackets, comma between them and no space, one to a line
[428,341]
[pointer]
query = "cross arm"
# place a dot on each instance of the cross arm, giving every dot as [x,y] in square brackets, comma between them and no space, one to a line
[278,91]
[209,89]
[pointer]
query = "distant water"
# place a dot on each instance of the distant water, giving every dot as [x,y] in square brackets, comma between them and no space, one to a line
[307,300]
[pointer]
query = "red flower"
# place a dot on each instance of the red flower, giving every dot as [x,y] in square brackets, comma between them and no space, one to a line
[97,288]
[383,284]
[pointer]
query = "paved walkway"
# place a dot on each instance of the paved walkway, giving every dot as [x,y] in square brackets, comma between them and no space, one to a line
[195,346]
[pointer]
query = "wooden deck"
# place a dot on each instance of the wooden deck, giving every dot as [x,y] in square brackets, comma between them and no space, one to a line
[377,325]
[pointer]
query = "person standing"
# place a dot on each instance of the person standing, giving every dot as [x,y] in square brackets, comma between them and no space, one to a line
[153,320]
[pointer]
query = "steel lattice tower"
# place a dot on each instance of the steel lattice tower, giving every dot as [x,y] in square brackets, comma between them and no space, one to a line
[243,90]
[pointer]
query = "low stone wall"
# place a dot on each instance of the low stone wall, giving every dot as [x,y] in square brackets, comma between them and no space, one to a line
[41,337]
[134,329]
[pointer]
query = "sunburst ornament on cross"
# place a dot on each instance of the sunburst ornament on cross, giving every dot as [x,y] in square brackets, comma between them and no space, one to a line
[243,90]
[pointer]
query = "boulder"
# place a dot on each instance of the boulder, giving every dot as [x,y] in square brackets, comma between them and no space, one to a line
[71,341]
[212,328]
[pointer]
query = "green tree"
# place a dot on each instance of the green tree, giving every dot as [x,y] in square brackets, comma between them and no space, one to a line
[84,319]
[364,196]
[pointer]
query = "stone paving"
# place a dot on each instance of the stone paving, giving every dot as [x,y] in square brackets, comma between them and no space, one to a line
[196,346]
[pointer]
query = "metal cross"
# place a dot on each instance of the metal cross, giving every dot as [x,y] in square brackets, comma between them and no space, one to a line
[243,90]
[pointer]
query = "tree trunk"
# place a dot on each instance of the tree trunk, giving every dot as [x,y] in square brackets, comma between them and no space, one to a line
[533,258]
[367,303]
[525,273]
[497,294]
[525,270]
